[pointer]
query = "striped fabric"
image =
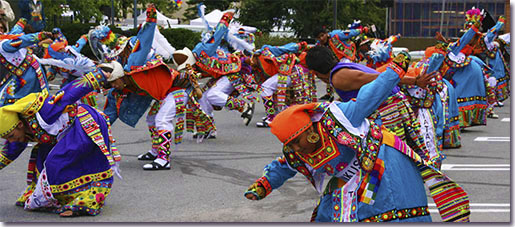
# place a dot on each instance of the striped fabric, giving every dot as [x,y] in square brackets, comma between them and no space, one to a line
[4,161]
[282,85]
[397,115]
[197,120]
[31,169]
[180,113]
[93,130]
[114,149]
[450,199]
[239,83]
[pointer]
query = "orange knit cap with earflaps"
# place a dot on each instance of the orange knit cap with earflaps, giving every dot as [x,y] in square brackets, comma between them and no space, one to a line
[56,47]
[291,122]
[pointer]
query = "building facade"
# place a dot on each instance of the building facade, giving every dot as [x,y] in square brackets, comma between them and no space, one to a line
[423,18]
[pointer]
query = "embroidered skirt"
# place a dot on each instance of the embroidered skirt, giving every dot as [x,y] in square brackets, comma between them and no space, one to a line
[72,175]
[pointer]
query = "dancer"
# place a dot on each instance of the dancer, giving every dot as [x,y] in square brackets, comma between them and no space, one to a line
[394,113]
[375,176]
[224,68]
[72,165]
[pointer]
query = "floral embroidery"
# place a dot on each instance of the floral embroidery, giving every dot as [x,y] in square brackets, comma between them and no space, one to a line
[346,49]
[77,182]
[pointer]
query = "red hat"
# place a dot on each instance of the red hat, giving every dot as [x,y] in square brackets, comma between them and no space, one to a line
[291,122]
[56,46]
[431,50]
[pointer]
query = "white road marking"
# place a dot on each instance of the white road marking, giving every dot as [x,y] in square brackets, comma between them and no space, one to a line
[480,205]
[480,208]
[435,211]
[506,119]
[476,167]
[492,139]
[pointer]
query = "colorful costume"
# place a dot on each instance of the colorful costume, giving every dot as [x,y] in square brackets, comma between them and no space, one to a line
[504,41]
[71,64]
[341,45]
[224,68]
[380,53]
[394,113]
[436,108]
[375,177]
[496,62]
[282,72]
[343,48]
[158,81]
[466,74]
[72,165]
[21,72]
[32,11]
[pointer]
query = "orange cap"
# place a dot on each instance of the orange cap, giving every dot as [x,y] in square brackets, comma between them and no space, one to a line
[291,122]
[431,50]
[58,45]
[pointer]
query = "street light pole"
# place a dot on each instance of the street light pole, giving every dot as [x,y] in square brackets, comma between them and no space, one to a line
[134,14]
[112,12]
[441,18]
[334,13]
[386,22]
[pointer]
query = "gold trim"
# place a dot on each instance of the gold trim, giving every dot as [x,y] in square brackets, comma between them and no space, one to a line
[77,181]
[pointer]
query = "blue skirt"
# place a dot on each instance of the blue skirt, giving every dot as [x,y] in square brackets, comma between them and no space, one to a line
[402,191]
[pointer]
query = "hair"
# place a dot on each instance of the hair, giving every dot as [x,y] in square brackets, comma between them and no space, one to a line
[106,69]
[318,31]
[321,59]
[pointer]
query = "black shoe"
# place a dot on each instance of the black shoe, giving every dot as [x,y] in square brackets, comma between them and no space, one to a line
[263,124]
[147,156]
[156,166]
[212,136]
[492,115]
[248,112]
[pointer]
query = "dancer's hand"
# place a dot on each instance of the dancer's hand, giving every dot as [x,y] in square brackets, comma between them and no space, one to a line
[46,35]
[255,192]
[151,13]
[251,196]
[198,93]
[425,79]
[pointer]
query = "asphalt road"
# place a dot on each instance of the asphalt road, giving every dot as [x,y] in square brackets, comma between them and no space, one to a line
[207,180]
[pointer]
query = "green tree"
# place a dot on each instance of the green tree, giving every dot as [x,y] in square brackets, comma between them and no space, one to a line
[264,14]
[126,6]
[308,15]
[84,10]
[304,16]
[53,7]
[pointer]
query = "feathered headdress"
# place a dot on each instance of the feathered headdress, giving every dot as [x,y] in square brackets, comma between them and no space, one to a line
[473,17]
[241,41]
[104,34]
[380,50]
